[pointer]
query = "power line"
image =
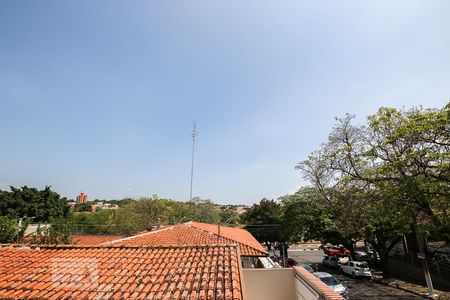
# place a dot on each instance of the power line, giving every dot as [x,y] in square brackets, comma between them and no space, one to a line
[262,225]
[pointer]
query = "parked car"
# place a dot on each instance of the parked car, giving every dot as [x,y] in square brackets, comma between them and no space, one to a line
[309,267]
[362,256]
[442,255]
[331,262]
[332,282]
[336,250]
[367,257]
[356,269]
[373,254]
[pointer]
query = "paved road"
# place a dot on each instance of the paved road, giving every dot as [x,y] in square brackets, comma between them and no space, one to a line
[359,289]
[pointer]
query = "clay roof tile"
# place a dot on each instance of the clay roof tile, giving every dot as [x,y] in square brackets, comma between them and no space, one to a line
[79,272]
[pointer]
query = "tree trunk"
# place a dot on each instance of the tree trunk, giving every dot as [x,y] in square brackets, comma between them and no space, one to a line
[384,257]
[385,267]
[350,247]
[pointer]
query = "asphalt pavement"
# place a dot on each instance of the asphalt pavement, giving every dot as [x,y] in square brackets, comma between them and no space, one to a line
[357,288]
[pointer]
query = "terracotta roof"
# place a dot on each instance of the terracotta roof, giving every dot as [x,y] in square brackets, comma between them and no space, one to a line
[239,235]
[195,234]
[110,272]
[94,239]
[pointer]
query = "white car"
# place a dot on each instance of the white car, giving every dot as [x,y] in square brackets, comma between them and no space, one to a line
[332,282]
[356,269]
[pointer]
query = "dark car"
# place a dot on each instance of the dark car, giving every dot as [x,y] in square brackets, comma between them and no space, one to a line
[331,262]
[362,256]
[310,267]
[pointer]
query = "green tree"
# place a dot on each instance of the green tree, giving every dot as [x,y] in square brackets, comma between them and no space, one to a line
[60,231]
[388,172]
[229,217]
[22,229]
[204,211]
[8,229]
[412,153]
[145,214]
[101,222]
[83,207]
[42,205]
[263,221]
[305,218]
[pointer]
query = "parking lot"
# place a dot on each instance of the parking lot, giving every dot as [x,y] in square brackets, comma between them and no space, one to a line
[357,288]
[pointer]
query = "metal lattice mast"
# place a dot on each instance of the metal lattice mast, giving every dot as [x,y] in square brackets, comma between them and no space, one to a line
[194,132]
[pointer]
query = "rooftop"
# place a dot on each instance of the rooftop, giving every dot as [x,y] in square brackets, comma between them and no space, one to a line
[112,272]
[239,235]
[185,261]
[195,233]
[80,239]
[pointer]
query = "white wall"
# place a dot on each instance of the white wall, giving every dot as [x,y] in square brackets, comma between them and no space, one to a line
[304,291]
[269,284]
[284,284]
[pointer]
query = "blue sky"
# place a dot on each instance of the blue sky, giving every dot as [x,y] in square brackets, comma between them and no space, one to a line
[100,96]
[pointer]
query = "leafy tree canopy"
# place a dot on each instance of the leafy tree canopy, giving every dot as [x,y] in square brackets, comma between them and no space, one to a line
[8,229]
[41,205]
[305,218]
[83,207]
[263,221]
[144,214]
[377,179]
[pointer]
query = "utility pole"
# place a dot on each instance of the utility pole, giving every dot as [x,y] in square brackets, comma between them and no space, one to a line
[421,256]
[218,232]
[194,132]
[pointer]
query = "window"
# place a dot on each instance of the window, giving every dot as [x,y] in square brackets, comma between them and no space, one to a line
[329,281]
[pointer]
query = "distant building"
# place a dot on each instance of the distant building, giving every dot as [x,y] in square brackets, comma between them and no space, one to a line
[242,209]
[103,205]
[82,198]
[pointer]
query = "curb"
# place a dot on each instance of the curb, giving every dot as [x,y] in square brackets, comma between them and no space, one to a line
[295,250]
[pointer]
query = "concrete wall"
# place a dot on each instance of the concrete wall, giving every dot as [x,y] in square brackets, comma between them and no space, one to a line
[285,284]
[304,290]
[269,284]
[32,228]
[309,287]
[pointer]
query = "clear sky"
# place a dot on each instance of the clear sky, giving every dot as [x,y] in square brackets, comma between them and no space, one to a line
[100,96]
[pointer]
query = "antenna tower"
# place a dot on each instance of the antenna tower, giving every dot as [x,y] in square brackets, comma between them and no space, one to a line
[194,132]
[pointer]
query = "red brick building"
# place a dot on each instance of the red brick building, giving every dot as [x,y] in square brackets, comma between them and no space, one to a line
[82,198]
